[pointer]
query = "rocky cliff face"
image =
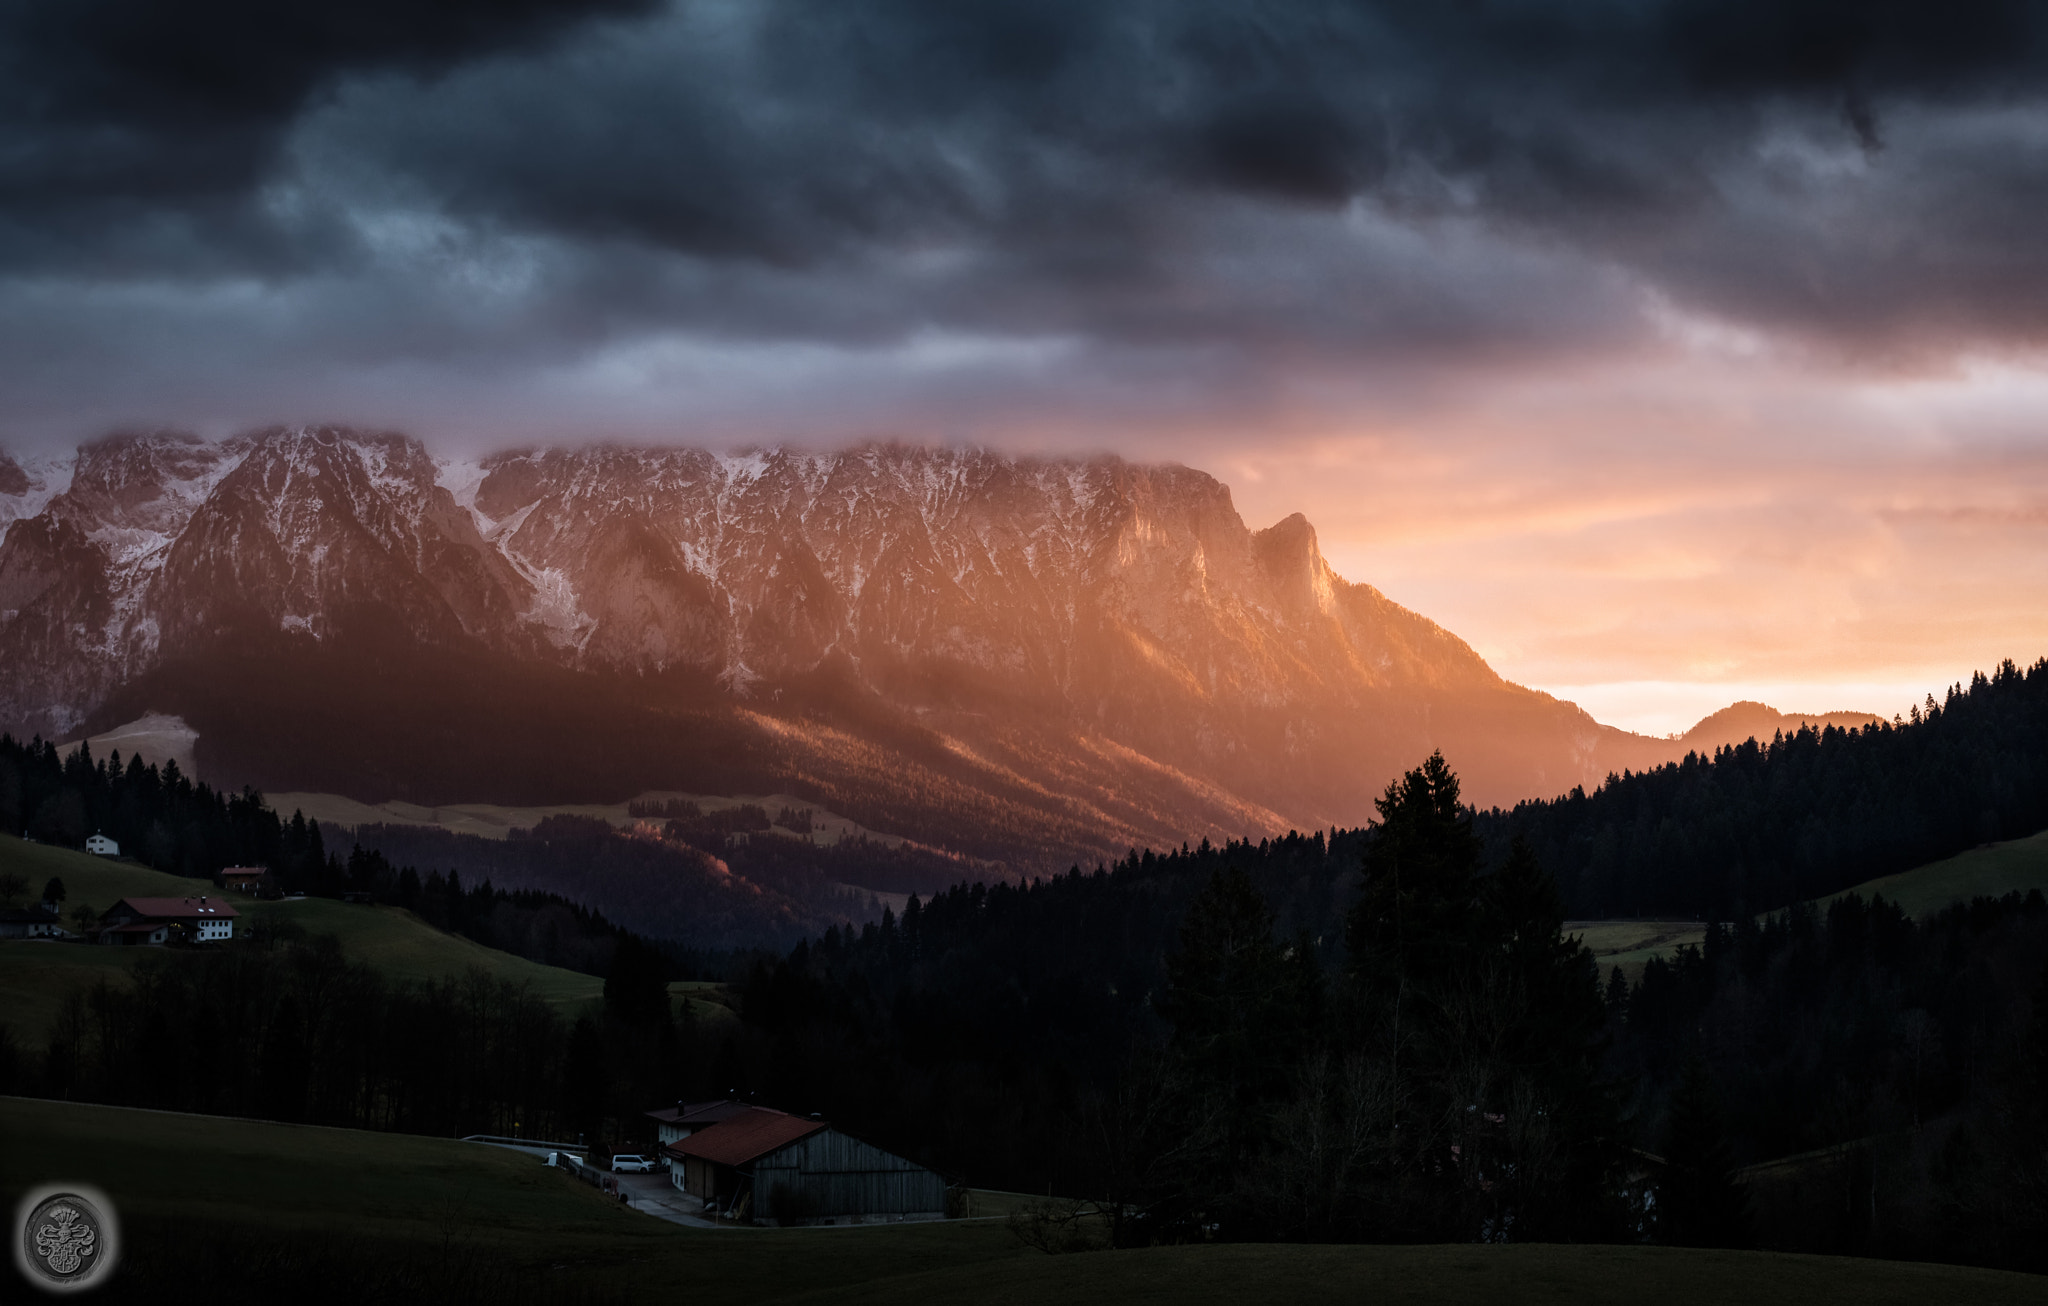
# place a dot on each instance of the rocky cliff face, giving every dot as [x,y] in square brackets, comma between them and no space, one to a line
[1106,644]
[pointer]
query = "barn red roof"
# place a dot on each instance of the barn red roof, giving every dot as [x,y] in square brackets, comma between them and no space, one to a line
[177,909]
[746,1137]
[699,1113]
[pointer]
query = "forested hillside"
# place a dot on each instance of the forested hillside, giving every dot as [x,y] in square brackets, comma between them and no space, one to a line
[1912,1055]
[168,823]
[1165,1038]
[681,880]
[1758,826]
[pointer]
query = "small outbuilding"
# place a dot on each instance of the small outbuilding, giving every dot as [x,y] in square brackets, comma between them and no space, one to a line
[771,1165]
[101,846]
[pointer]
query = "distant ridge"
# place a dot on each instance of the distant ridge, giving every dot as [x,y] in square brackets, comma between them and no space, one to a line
[1751,720]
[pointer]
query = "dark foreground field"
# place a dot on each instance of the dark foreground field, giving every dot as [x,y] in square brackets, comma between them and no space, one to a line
[276,1212]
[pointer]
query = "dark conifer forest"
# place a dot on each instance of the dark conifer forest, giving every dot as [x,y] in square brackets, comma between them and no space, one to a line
[1157,1038]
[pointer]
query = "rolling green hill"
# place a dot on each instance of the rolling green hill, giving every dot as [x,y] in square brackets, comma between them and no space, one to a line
[340,1215]
[1991,871]
[34,976]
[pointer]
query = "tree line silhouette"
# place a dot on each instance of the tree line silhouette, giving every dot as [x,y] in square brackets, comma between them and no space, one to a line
[1758,826]
[1158,1040]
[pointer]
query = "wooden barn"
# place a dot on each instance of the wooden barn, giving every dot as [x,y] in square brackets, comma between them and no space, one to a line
[770,1165]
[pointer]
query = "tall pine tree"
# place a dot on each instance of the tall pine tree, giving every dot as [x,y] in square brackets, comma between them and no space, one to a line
[1700,1201]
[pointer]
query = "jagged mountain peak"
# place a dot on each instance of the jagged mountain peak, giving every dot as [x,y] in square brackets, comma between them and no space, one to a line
[146,482]
[315,525]
[1067,631]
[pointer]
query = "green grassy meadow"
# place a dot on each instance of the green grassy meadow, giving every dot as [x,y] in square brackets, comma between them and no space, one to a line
[1631,944]
[35,976]
[706,1001]
[403,946]
[2017,865]
[93,881]
[270,1203]
[184,1179]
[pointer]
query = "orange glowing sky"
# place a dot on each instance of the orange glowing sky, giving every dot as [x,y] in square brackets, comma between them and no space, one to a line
[1656,542]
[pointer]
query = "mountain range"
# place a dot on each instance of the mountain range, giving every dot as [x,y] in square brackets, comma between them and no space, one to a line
[1025,659]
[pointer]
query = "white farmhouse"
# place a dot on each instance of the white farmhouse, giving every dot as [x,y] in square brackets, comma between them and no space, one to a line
[101,846]
[159,920]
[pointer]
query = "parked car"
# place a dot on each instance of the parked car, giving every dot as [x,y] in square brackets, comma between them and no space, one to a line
[625,1164]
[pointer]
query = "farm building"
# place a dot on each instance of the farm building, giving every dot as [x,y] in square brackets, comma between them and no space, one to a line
[143,921]
[101,846]
[244,879]
[30,923]
[771,1165]
[672,1124]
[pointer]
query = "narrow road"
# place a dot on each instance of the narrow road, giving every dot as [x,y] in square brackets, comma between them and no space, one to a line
[652,1194]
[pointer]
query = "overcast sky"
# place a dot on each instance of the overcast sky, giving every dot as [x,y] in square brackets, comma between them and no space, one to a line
[1668,350]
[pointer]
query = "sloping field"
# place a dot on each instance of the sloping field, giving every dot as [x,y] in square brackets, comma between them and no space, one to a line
[325,1213]
[1991,871]
[34,976]
[93,881]
[155,738]
[341,1215]
[405,947]
[2017,865]
[1630,944]
[287,1176]
[494,821]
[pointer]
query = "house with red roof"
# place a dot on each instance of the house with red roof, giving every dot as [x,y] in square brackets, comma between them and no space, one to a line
[247,879]
[763,1164]
[148,921]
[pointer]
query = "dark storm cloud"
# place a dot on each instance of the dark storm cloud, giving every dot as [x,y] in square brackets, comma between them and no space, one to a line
[1083,150]
[1263,186]
[119,113]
